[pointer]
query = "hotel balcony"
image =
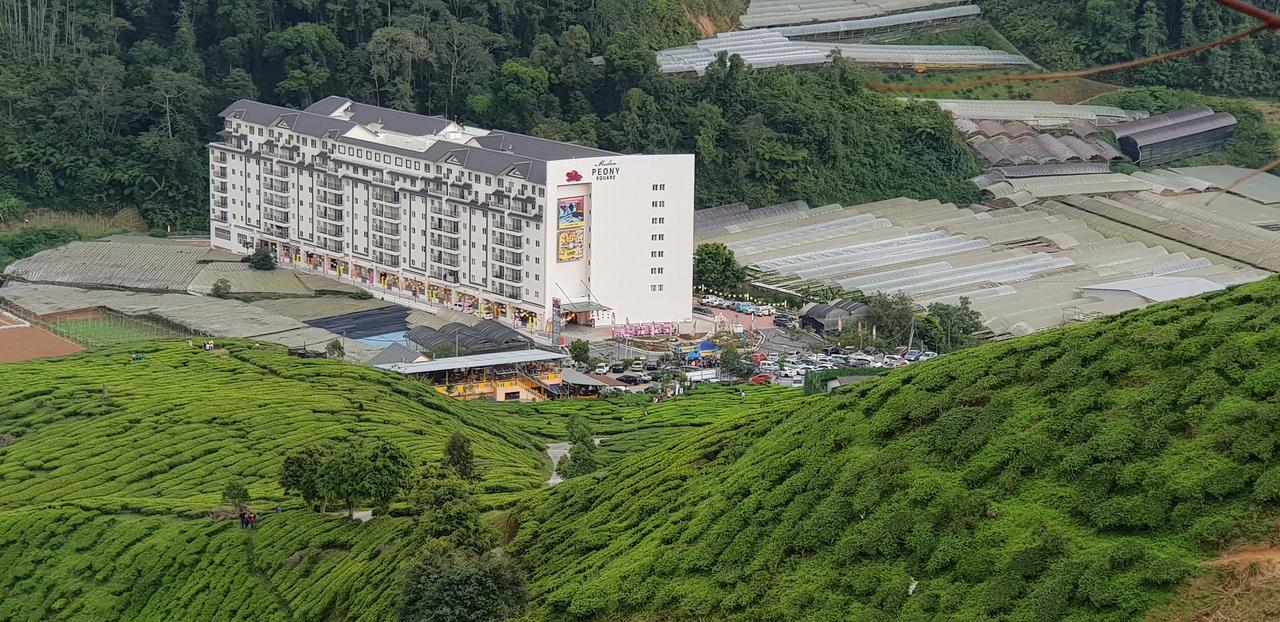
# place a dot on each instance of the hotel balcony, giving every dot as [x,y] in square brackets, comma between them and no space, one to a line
[219,187]
[448,211]
[276,232]
[509,275]
[509,241]
[276,171]
[510,291]
[331,245]
[441,274]
[445,259]
[385,197]
[388,213]
[387,259]
[219,172]
[443,243]
[333,231]
[328,213]
[507,257]
[329,198]
[219,202]
[445,226]
[386,244]
[275,215]
[329,182]
[391,229]
[281,187]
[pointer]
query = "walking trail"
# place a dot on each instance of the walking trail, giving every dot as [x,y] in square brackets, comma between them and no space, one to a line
[556,451]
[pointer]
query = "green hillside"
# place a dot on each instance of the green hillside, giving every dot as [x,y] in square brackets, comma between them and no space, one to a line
[1078,474]
[109,469]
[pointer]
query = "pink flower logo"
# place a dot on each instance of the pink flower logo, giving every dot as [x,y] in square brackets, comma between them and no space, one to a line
[573,176]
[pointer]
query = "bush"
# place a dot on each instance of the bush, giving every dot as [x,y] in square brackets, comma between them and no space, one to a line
[221,289]
[261,259]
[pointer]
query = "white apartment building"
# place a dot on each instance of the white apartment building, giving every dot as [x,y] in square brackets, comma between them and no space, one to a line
[505,224]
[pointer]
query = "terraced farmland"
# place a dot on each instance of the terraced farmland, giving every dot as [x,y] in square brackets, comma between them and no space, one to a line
[167,433]
[632,424]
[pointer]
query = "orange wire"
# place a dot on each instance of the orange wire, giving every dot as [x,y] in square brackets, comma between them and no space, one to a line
[1084,73]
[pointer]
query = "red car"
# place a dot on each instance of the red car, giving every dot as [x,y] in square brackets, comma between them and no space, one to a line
[762,378]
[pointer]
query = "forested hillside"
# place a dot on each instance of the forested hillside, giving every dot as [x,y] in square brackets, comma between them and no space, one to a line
[105,104]
[1078,474]
[1071,34]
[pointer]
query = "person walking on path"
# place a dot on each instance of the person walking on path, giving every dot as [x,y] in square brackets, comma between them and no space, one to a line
[253,520]
[244,519]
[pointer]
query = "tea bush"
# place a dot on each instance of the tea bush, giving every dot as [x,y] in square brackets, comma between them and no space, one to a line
[1074,474]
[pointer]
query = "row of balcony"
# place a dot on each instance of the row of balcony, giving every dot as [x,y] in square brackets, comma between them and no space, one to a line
[334,231]
[275,201]
[386,244]
[387,259]
[275,215]
[276,185]
[510,275]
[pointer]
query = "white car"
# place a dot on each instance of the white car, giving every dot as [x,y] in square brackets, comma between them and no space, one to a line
[602,369]
[797,381]
[893,360]
[769,366]
[764,310]
[928,355]
[711,301]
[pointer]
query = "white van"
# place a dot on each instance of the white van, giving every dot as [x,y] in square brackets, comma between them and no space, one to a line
[768,366]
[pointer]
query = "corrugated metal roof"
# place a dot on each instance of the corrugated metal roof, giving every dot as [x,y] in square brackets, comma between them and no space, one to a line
[130,265]
[477,360]
[1161,120]
[855,27]
[1032,112]
[1261,187]
[762,13]
[1159,288]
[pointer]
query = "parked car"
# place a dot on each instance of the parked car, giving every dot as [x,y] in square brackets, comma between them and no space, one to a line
[768,366]
[783,322]
[637,365]
[617,368]
[797,381]
[924,356]
[602,368]
[762,378]
[831,350]
[704,311]
[745,307]
[893,360]
[912,356]
[711,300]
[859,362]
[650,365]
[764,310]
[631,379]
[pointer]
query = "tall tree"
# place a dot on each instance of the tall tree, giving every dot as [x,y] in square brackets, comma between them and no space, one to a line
[395,56]
[307,55]
[301,474]
[390,473]
[716,267]
[458,457]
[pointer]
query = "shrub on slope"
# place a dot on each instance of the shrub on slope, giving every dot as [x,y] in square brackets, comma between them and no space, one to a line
[1076,474]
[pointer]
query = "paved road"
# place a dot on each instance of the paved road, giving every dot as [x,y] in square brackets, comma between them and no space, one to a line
[556,451]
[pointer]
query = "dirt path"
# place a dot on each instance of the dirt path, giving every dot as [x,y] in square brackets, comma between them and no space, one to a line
[557,451]
[1245,556]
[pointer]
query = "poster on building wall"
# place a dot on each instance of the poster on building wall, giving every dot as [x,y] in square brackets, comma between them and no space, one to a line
[573,211]
[571,245]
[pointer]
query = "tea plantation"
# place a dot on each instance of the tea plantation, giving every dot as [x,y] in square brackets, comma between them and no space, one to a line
[110,466]
[1080,474]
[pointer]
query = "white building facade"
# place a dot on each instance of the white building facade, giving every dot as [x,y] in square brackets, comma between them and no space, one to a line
[508,225]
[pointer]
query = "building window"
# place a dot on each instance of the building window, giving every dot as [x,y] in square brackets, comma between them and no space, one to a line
[222,234]
[659,203]
[656,253]
[658,237]
[655,288]
[659,187]
[655,270]
[658,221]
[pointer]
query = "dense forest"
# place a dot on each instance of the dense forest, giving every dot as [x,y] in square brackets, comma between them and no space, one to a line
[106,104]
[1070,34]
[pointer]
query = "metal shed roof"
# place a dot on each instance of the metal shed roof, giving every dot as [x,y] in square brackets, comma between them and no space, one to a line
[857,26]
[475,360]
[1261,187]
[1159,288]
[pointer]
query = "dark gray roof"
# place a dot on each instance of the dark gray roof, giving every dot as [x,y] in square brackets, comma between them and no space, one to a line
[1167,143]
[328,105]
[538,148]
[1161,120]
[487,160]
[395,353]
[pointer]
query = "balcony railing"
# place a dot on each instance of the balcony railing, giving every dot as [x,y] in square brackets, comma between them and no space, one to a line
[448,276]
[275,171]
[275,201]
[444,226]
[385,196]
[507,274]
[507,257]
[331,245]
[332,183]
[218,217]
[386,228]
[387,259]
[386,244]
[275,215]
[445,259]
[509,241]
[220,202]
[448,211]
[330,198]
[278,232]
[221,158]
[508,224]
[328,213]
[443,243]
[389,213]
[509,291]
[334,231]
[220,187]
[276,186]
[220,172]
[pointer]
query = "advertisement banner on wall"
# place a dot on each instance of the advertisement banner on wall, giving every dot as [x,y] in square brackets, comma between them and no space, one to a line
[571,245]
[572,212]
[571,238]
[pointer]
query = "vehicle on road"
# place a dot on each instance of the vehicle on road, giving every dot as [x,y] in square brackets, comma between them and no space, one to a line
[711,301]
[637,365]
[745,307]
[764,310]
[924,356]
[768,366]
[650,365]
[617,368]
[893,360]
[762,378]
[912,356]
[602,368]
[631,379]
[703,311]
